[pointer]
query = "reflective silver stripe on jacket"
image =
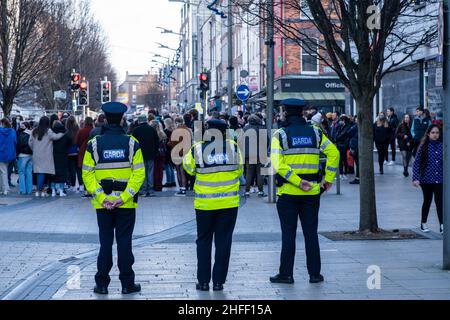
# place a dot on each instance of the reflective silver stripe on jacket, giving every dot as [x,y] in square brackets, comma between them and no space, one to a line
[138,166]
[117,165]
[216,195]
[276,151]
[284,140]
[199,155]
[87,168]
[318,136]
[131,191]
[332,169]
[301,151]
[305,166]
[131,144]
[95,150]
[218,169]
[217,184]
[325,145]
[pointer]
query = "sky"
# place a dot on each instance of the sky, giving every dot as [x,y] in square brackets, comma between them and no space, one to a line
[130,26]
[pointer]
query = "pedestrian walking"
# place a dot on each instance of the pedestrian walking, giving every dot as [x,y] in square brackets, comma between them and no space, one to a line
[354,149]
[393,125]
[381,134]
[41,143]
[149,142]
[419,126]
[185,143]
[8,140]
[250,143]
[217,166]
[342,139]
[405,142]
[428,174]
[60,159]
[113,172]
[74,172]
[25,159]
[160,159]
[295,156]
[169,166]
[81,142]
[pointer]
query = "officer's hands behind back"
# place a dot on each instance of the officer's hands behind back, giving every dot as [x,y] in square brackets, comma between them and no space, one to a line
[111,205]
[306,185]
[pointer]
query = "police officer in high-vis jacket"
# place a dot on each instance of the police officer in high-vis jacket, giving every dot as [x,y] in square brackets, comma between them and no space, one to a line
[113,172]
[295,156]
[217,166]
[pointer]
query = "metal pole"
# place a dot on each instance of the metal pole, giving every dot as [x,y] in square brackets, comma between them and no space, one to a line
[446,255]
[168,89]
[270,90]
[230,56]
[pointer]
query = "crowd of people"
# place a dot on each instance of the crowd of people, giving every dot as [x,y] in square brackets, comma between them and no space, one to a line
[48,155]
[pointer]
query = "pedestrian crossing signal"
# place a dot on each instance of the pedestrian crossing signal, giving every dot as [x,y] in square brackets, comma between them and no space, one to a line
[105,91]
[83,95]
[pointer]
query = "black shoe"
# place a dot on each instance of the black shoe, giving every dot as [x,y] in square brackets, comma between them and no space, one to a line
[406,174]
[282,279]
[101,290]
[356,181]
[316,279]
[202,286]
[133,289]
[218,287]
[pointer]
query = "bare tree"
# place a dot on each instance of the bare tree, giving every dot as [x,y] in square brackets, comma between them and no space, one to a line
[24,55]
[362,41]
[80,44]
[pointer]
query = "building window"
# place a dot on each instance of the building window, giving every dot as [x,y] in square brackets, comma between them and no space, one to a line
[305,12]
[310,59]
[134,88]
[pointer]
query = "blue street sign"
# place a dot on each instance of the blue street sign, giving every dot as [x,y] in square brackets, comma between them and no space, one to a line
[243,92]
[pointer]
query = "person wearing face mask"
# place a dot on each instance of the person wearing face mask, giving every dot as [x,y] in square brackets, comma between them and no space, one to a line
[428,175]
[381,134]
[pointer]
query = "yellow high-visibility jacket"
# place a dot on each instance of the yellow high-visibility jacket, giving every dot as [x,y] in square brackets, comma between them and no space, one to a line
[217,175]
[295,155]
[113,156]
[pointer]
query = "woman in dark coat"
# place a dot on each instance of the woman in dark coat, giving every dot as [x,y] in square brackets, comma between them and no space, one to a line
[342,142]
[405,142]
[61,159]
[382,133]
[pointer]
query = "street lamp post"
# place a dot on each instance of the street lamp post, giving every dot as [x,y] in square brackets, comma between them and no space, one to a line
[270,90]
[446,253]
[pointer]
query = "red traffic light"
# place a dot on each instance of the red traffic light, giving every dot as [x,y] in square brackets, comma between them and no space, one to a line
[83,85]
[76,77]
[204,77]
[106,85]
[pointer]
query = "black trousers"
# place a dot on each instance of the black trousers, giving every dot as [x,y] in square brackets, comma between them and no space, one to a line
[254,171]
[74,172]
[382,149]
[290,208]
[428,191]
[121,222]
[220,224]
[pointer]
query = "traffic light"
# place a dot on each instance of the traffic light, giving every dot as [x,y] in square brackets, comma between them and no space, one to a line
[105,91]
[83,95]
[75,79]
[204,81]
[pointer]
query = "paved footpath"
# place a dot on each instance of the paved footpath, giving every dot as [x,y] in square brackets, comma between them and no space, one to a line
[48,250]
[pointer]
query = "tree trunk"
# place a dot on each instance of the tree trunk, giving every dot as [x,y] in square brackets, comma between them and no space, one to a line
[368,210]
[7,104]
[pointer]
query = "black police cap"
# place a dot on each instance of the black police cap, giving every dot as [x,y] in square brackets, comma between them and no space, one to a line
[299,103]
[114,108]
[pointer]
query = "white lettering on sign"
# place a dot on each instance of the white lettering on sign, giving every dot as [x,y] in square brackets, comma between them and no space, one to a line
[114,154]
[334,85]
[218,158]
[302,141]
